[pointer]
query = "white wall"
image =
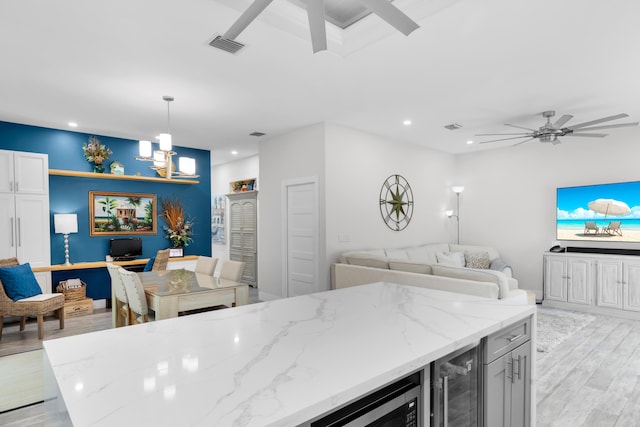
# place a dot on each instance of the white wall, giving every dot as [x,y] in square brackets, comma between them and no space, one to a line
[351,166]
[358,163]
[221,176]
[509,199]
[296,155]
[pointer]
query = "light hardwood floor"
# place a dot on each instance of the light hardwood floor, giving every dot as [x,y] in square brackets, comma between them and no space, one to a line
[591,379]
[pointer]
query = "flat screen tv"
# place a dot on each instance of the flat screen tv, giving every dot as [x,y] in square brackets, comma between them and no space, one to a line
[599,213]
[125,248]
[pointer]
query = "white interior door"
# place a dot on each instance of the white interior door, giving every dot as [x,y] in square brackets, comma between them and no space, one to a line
[301,264]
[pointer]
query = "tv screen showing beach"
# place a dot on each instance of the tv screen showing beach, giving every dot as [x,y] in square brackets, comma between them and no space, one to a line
[605,212]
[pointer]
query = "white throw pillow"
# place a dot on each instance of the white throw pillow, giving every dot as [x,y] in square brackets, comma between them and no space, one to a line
[453,259]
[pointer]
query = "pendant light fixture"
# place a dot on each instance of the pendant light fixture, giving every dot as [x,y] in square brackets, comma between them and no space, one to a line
[162,158]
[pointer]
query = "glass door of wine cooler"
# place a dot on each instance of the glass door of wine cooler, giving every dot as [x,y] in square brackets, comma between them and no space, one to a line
[455,386]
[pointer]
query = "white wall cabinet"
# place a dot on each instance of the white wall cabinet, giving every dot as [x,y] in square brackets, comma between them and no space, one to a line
[243,233]
[604,283]
[24,210]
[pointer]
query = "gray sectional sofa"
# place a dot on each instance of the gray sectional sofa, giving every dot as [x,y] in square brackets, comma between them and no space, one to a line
[475,270]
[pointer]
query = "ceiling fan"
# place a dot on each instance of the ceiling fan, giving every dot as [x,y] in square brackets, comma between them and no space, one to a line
[550,132]
[315,11]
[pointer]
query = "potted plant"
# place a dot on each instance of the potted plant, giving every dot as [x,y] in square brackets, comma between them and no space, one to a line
[96,153]
[179,228]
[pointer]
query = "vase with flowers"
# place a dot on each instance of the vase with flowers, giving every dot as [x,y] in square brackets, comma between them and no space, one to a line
[179,228]
[96,153]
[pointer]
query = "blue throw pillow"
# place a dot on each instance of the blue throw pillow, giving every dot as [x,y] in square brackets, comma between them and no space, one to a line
[149,265]
[19,282]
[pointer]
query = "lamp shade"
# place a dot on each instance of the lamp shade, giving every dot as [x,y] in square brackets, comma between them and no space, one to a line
[187,165]
[145,148]
[65,223]
[457,189]
[165,141]
[448,213]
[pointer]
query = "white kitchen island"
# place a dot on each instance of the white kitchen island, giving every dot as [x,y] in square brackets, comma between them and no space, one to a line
[278,363]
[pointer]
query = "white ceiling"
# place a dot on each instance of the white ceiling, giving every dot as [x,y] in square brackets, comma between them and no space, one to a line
[107,64]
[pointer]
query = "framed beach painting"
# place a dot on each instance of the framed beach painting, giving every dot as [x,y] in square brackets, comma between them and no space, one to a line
[122,213]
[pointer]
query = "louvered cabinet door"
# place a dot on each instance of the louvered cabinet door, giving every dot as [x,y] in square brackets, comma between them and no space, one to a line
[243,233]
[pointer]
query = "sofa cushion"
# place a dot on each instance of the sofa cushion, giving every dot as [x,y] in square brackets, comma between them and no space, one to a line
[396,253]
[453,259]
[412,267]
[493,253]
[426,254]
[477,260]
[474,274]
[379,253]
[366,260]
[19,282]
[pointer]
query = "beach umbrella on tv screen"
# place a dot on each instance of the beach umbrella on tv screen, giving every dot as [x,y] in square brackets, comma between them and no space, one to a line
[609,207]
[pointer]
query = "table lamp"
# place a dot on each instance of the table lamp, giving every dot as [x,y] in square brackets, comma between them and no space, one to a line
[65,224]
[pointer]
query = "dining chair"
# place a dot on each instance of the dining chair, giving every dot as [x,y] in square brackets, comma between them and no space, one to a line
[232,270]
[206,265]
[121,303]
[135,296]
[162,258]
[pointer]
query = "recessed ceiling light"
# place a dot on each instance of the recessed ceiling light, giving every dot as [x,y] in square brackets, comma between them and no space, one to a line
[73,124]
[469,142]
[407,122]
[234,152]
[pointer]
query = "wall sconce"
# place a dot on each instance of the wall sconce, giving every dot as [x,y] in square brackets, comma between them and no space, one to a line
[449,213]
[65,224]
[162,158]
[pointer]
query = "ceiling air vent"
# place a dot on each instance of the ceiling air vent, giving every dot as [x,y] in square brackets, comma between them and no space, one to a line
[227,45]
[257,134]
[453,126]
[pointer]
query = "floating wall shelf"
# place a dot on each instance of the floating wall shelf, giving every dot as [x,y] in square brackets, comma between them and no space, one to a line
[77,174]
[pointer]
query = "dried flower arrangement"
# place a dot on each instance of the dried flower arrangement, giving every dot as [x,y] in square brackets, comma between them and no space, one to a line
[178,228]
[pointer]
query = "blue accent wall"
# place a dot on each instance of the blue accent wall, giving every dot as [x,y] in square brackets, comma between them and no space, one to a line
[71,194]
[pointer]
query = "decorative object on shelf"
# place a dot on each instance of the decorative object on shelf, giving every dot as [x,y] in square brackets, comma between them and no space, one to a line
[396,202]
[449,213]
[96,153]
[179,228]
[122,213]
[65,224]
[162,158]
[242,185]
[117,168]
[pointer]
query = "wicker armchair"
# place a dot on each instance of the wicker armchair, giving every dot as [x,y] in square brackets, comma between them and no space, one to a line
[50,302]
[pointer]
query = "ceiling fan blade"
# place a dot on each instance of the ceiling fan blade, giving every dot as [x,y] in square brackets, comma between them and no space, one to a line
[503,139]
[591,135]
[621,125]
[392,15]
[246,18]
[594,122]
[497,134]
[519,127]
[562,120]
[522,142]
[315,12]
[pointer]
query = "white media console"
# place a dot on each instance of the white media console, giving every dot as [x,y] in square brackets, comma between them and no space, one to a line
[593,282]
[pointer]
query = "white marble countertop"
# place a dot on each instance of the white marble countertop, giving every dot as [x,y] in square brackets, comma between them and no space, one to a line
[278,363]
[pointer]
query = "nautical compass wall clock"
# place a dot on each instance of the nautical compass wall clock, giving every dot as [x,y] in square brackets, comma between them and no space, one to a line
[396,202]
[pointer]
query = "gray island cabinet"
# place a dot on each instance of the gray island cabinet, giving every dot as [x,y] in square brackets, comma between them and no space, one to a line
[279,363]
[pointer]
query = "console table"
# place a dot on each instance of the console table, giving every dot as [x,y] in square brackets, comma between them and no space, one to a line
[597,283]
